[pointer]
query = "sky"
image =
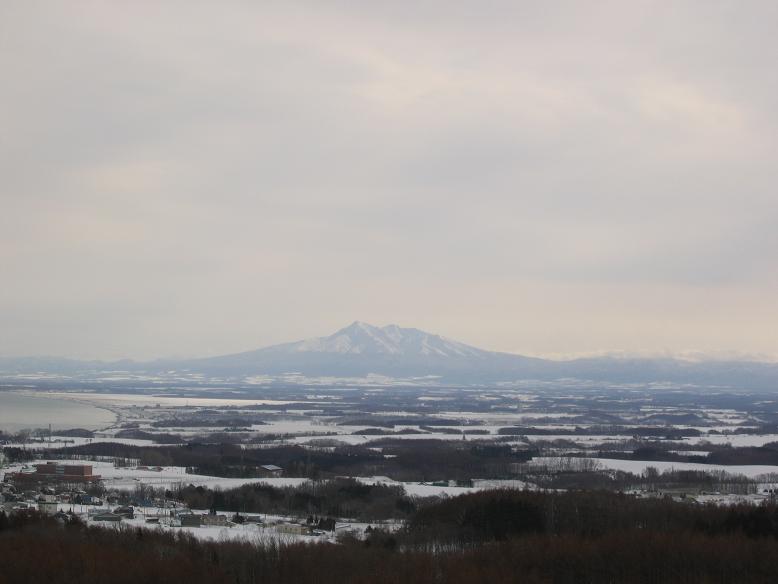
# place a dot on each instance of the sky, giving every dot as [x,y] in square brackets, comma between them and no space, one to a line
[186,178]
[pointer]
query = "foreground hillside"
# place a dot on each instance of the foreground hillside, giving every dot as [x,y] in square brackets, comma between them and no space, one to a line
[497,537]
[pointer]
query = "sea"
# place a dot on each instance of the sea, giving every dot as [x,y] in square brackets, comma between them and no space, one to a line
[20,411]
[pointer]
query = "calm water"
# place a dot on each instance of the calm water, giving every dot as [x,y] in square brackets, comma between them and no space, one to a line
[20,411]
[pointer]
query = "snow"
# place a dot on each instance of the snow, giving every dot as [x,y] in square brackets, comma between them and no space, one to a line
[168,477]
[363,338]
[583,439]
[354,439]
[57,442]
[736,440]
[264,533]
[507,418]
[121,399]
[639,466]
[421,489]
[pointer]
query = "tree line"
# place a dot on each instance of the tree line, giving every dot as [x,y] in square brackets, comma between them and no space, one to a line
[406,460]
[337,498]
[496,537]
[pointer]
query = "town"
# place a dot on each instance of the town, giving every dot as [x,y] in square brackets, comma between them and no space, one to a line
[69,491]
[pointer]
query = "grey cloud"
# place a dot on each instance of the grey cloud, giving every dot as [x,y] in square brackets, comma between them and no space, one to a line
[187,178]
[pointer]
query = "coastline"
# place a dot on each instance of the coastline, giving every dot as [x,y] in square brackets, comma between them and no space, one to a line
[53,399]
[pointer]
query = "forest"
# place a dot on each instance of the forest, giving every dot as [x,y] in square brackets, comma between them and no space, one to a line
[495,536]
[336,498]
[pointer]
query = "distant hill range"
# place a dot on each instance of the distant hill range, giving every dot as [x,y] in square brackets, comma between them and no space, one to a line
[361,349]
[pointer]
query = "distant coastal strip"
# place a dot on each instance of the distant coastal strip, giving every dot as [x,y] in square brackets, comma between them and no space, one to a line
[21,410]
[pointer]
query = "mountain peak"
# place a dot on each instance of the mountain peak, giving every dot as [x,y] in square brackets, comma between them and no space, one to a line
[357,325]
[364,338]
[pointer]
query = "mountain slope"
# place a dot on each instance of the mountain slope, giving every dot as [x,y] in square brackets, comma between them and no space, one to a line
[361,349]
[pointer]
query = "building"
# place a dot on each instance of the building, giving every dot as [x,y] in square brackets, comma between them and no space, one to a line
[126,512]
[212,520]
[88,500]
[271,470]
[190,520]
[293,529]
[63,473]
[13,506]
[47,504]
[200,520]
[108,516]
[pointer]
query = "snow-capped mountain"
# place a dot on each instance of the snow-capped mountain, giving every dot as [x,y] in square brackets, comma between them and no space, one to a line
[361,349]
[360,338]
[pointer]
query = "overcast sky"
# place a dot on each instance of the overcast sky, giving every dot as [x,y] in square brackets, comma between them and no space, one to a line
[550,178]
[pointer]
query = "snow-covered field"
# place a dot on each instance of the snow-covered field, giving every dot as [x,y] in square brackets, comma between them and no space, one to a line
[639,466]
[264,533]
[127,478]
[306,431]
[57,442]
[736,440]
[169,477]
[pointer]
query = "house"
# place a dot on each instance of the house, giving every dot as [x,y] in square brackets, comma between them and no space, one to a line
[213,520]
[47,504]
[271,470]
